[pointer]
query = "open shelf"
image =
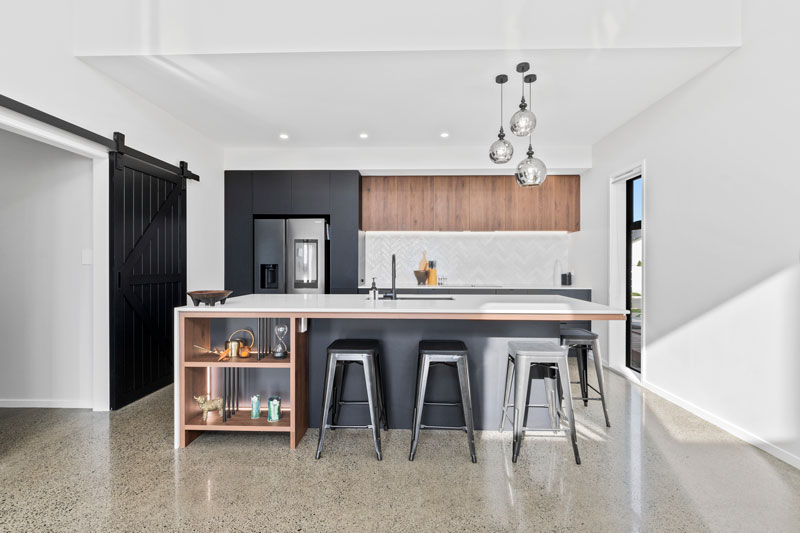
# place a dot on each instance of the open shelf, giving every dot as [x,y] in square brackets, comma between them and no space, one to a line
[200,373]
[241,421]
[210,360]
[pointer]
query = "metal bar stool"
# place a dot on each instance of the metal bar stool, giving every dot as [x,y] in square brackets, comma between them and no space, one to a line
[521,355]
[584,340]
[366,353]
[452,354]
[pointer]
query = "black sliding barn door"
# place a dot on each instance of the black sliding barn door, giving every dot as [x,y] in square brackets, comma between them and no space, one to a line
[148,275]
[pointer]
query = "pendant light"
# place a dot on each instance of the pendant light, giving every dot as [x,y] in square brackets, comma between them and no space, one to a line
[531,171]
[501,151]
[523,121]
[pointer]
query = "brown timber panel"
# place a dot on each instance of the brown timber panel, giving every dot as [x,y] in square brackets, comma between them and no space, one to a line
[451,203]
[489,201]
[476,203]
[379,207]
[415,203]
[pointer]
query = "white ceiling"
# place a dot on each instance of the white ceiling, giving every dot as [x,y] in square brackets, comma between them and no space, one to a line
[395,76]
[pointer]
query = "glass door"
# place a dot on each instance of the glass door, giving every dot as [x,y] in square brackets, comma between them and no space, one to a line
[634,265]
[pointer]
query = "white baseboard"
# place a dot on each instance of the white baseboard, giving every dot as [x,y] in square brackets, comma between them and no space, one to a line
[733,429]
[46,403]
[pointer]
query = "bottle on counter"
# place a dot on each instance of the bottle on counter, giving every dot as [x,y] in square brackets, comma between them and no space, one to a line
[374,290]
[432,278]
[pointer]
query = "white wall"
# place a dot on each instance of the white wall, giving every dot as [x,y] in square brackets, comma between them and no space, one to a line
[722,234]
[46,308]
[39,69]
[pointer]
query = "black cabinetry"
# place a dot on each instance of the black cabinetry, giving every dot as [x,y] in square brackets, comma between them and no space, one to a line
[345,211]
[272,192]
[285,194]
[239,232]
[311,192]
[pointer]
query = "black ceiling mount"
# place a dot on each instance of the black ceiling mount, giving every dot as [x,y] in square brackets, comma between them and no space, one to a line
[523,67]
[530,78]
[502,78]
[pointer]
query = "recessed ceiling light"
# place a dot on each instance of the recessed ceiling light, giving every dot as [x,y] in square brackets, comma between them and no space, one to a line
[444,135]
[363,135]
[284,136]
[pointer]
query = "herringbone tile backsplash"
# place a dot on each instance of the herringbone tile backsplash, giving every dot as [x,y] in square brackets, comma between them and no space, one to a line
[481,258]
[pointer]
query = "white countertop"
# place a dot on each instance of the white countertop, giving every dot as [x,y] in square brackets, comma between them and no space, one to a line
[362,304]
[478,287]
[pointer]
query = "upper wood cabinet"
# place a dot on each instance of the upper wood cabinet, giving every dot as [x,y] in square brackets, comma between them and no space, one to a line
[474,203]
[451,203]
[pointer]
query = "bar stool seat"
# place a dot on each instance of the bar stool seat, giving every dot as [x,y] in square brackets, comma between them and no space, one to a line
[584,340]
[451,353]
[365,353]
[521,355]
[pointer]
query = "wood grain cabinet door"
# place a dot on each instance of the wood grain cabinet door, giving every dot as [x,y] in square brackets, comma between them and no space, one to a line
[415,203]
[451,203]
[489,201]
[379,203]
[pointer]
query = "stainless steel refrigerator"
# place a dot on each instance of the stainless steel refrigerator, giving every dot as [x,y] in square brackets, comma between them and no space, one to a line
[289,255]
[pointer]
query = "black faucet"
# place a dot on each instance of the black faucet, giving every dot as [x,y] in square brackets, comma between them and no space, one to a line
[392,295]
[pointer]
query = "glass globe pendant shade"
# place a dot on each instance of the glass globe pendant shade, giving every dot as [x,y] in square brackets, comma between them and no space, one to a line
[531,171]
[523,122]
[501,150]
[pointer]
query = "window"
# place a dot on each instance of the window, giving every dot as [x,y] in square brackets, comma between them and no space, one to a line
[634,266]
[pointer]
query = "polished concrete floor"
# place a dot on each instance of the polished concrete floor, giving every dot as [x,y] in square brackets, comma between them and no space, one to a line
[658,468]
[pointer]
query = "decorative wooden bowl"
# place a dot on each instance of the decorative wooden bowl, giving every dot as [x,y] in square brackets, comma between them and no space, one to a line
[209,297]
[422,276]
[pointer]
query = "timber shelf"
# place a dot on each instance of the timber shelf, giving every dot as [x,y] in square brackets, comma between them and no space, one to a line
[210,360]
[240,421]
[198,371]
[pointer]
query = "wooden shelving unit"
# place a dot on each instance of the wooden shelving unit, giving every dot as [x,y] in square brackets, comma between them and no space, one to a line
[194,381]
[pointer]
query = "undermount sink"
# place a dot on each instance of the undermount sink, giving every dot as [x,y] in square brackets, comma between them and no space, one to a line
[415,298]
[424,297]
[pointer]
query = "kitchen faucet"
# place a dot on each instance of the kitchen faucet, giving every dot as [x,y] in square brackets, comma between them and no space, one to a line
[392,295]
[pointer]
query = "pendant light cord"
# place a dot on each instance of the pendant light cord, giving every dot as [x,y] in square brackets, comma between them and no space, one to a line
[530,101]
[501,106]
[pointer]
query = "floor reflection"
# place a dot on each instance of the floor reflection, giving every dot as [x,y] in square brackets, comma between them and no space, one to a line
[657,468]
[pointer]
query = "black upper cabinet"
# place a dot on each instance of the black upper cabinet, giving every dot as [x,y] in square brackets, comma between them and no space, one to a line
[272,192]
[287,193]
[311,192]
[345,189]
[238,232]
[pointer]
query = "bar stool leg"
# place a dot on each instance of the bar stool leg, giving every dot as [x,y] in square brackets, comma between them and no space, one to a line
[523,372]
[509,377]
[563,372]
[381,397]
[551,393]
[338,379]
[372,401]
[581,352]
[466,404]
[422,382]
[598,367]
[330,369]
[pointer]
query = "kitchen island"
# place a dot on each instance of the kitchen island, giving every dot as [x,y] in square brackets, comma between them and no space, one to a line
[484,322]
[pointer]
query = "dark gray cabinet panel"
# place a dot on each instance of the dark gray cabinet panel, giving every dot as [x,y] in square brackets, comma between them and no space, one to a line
[344,211]
[311,192]
[272,192]
[238,232]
